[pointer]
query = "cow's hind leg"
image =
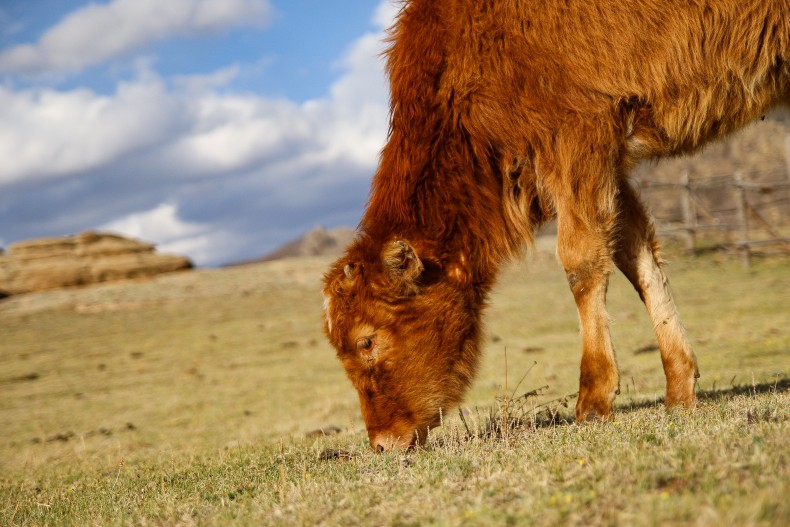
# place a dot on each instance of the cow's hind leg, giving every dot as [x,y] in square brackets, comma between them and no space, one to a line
[584,225]
[636,255]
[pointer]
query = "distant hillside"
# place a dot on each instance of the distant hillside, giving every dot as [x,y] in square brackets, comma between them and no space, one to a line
[318,242]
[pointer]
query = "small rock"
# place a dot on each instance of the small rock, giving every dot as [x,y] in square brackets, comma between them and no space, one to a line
[63,437]
[325,431]
[331,453]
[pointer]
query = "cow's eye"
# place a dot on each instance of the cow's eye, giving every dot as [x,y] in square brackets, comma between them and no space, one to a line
[365,343]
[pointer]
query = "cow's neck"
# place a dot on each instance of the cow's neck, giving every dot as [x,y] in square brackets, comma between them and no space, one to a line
[444,197]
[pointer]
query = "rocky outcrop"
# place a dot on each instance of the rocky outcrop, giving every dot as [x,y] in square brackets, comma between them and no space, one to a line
[86,258]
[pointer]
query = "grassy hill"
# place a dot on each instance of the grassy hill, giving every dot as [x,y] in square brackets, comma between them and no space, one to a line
[196,398]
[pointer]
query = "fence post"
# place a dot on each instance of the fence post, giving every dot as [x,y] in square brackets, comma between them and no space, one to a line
[689,212]
[743,218]
[787,155]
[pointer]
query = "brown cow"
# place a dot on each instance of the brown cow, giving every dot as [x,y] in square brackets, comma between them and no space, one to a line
[508,113]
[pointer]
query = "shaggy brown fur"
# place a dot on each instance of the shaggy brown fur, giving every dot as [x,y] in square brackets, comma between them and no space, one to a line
[506,113]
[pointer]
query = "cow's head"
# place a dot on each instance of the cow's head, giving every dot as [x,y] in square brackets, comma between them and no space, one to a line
[406,330]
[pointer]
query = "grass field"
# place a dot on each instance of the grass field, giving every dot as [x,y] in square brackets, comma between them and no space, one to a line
[196,398]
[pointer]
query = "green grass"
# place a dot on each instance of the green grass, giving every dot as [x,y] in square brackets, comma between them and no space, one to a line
[187,400]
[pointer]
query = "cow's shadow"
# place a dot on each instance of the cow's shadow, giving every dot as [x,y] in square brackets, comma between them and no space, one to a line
[496,424]
[779,385]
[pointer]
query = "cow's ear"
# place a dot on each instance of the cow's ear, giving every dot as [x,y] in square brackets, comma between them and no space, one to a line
[402,265]
[348,271]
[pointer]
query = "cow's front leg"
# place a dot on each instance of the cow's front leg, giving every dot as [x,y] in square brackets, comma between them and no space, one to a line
[583,249]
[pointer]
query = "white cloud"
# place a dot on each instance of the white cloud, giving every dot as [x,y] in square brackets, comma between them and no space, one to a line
[230,132]
[98,32]
[160,223]
[171,233]
[385,13]
[204,83]
[45,133]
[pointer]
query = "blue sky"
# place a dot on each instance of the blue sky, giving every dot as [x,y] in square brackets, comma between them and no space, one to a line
[214,128]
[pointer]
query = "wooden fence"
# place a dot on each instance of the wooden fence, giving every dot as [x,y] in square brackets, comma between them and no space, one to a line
[747,216]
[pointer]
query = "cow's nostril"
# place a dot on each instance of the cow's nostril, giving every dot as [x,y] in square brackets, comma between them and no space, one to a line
[381,443]
[386,442]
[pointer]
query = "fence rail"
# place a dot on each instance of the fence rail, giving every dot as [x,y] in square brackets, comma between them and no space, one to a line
[731,205]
